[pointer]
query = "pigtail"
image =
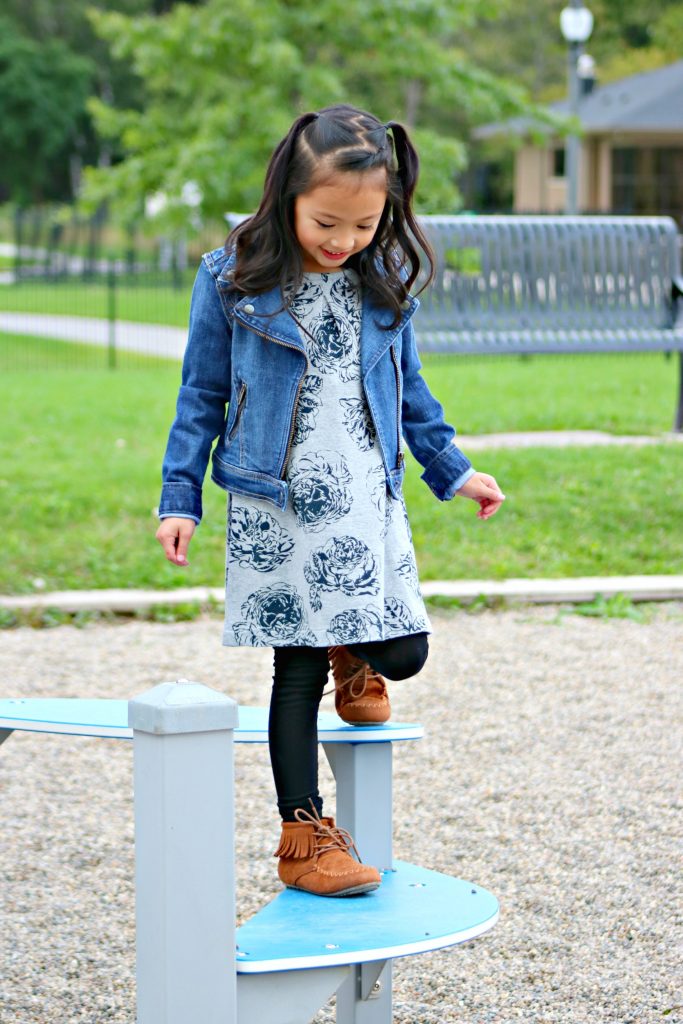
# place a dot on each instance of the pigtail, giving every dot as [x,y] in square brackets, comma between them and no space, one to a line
[261,248]
[404,221]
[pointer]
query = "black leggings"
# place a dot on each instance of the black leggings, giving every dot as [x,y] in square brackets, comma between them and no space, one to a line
[299,678]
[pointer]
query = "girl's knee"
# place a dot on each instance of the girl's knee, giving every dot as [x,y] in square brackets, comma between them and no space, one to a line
[411,660]
[398,659]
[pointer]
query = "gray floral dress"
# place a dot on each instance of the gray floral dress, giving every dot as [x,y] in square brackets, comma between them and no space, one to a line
[337,566]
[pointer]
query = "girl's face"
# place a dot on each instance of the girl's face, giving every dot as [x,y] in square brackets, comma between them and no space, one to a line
[338,219]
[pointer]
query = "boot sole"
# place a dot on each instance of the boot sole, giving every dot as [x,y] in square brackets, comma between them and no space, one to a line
[348,721]
[356,890]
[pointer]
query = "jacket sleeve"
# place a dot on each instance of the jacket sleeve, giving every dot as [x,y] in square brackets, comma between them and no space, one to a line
[429,437]
[200,410]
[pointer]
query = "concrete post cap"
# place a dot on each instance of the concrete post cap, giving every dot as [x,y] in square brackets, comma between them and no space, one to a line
[182,706]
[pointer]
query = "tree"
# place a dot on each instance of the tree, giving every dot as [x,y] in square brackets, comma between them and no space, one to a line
[46,48]
[223,83]
[43,90]
[524,42]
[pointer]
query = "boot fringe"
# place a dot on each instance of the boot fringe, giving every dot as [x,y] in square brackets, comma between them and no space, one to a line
[296,842]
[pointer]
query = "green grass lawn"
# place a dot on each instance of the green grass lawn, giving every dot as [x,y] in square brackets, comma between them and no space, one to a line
[23,352]
[80,454]
[623,394]
[147,301]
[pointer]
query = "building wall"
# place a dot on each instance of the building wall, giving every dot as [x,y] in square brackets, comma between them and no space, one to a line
[537,189]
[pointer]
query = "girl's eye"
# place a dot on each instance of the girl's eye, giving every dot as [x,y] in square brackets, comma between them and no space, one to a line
[321,225]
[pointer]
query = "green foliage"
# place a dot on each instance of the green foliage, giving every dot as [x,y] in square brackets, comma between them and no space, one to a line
[43,88]
[473,606]
[667,31]
[186,611]
[8,618]
[524,41]
[618,606]
[47,618]
[224,82]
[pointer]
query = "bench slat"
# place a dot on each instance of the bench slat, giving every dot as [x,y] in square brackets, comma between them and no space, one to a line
[511,273]
[109,718]
[414,910]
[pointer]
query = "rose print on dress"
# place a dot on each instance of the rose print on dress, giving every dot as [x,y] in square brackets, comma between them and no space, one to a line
[354,625]
[306,298]
[332,326]
[408,570]
[343,299]
[404,510]
[319,489]
[344,564]
[358,422]
[330,348]
[376,483]
[273,617]
[307,411]
[256,539]
[398,620]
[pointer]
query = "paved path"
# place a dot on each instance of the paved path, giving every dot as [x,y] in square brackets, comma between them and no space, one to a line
[150,339]
[560,439]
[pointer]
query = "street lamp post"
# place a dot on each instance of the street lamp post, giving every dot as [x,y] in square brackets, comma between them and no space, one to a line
[576,24]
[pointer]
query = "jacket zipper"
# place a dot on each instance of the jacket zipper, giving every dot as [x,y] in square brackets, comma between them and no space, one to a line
[399,457]
[286,344]
[240,403]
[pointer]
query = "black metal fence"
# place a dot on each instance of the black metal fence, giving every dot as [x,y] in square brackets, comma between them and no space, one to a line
[84,292]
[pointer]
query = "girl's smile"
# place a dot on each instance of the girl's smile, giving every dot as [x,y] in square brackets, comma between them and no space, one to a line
[336,220]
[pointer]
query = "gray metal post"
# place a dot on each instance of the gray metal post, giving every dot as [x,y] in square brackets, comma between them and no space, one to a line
[362,772]
[111,317]
[573,143]
[184,854]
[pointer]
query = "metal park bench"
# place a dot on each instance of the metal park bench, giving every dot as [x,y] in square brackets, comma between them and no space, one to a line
[284,963]
[518,284]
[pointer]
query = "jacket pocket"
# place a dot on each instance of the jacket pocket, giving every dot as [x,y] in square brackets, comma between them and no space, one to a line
[241,401]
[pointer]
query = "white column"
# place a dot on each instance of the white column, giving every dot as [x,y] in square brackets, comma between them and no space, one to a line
[184,854]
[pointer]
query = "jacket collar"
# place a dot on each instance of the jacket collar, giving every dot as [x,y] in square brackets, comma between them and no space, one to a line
[263,314]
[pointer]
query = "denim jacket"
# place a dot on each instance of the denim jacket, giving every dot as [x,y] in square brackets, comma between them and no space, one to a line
[244,354]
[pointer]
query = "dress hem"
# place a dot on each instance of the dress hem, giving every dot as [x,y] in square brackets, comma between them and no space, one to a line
[330,643]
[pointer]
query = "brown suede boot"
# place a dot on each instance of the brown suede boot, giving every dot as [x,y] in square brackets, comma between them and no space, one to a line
[314,857]
[361,696]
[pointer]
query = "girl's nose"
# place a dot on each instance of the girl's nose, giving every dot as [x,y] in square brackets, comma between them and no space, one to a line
[341,244]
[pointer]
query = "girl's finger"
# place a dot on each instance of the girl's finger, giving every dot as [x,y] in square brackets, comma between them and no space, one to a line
[168,543]
[183,542]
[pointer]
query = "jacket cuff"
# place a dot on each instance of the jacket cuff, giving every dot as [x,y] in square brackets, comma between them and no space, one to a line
[447,472]
[457,484]
[183,500]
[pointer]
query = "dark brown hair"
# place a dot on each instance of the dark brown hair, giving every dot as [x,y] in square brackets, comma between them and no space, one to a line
[319,145]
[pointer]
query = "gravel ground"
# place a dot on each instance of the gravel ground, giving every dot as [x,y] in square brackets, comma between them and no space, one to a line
[550,773]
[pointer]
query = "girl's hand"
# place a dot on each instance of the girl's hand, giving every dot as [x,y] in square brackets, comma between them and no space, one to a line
[175,535]
[483,488]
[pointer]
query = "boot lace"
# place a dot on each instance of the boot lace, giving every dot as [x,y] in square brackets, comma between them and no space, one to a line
[356,683]
[326,837]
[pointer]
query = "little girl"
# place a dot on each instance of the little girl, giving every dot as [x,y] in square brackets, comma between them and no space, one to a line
[301,325]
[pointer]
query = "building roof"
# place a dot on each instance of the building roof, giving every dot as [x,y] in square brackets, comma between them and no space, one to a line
[648,102]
